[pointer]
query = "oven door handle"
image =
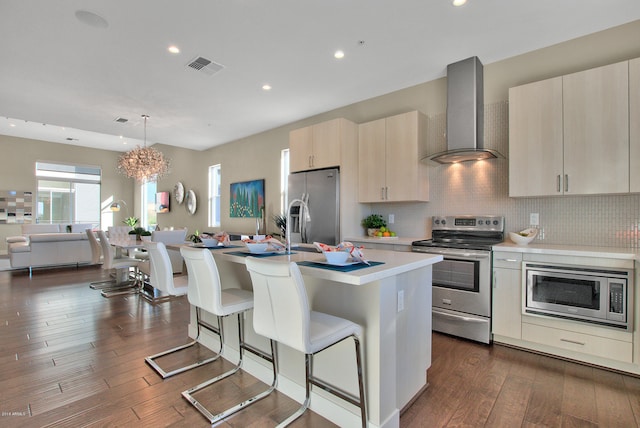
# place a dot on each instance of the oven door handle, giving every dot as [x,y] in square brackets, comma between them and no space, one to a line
[457,317]
[467,254]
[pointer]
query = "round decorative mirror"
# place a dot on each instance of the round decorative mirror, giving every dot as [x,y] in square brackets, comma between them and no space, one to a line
[178,192]
[191,202]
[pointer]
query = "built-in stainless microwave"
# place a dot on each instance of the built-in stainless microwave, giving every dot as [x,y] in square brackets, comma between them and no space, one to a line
[589,294]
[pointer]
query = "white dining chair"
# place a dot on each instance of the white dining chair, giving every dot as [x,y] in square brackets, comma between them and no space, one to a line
[96,252]
[282,313]
[110,262]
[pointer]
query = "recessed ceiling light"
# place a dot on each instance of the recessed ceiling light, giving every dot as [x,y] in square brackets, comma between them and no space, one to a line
[459,2]
[12,125]
[338,55]
[173,49]
[266,87]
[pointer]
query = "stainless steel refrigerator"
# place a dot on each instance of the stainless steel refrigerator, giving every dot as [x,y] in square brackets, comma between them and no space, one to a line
[320,190]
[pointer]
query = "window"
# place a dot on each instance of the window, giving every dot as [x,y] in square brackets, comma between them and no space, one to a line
[214,196]
[68,193]
[149,218]
[284,180]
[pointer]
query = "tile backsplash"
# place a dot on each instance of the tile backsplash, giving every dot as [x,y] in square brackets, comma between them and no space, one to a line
[479,188]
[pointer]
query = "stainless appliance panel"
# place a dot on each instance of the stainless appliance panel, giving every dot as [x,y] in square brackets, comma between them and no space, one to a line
[472,293]
[320,189]
[588,294]
[462,281]
[462,325]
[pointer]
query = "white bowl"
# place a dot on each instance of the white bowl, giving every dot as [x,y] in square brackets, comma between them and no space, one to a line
[523,240]
[257,248]
[209,242]
[336,257]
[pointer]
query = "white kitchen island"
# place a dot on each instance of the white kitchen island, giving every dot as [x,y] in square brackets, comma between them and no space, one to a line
[392,302]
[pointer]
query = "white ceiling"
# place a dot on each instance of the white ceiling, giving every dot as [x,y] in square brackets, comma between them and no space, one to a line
[61,78]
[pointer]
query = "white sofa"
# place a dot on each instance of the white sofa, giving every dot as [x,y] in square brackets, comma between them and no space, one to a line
[46,245]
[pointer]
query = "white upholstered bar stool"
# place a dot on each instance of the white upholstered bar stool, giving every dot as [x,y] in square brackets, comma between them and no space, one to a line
[161,276]
[206,294]
[282,313]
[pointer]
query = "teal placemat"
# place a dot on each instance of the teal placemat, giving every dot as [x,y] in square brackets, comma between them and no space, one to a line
[247,254]
[217,247]
[347,268]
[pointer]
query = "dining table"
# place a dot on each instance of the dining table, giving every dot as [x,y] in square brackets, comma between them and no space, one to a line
[390,297]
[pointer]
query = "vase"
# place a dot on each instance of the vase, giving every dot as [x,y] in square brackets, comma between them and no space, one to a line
[372,232]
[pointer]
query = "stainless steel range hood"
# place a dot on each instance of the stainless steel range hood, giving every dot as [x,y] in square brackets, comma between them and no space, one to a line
[465,115]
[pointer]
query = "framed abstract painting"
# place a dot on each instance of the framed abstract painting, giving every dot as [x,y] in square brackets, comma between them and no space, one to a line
[247,199]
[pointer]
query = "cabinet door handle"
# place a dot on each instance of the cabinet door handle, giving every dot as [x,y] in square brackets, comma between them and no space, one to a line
[559,179]
[566,183]
[386,193]
[507,260]
[495,280]
[309,161]
[575,342]
[382,193]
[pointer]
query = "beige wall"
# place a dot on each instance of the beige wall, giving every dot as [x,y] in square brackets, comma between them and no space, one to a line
[17,172]
[472,189]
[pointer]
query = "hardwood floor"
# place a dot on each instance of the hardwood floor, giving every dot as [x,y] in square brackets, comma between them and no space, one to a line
[69,358]
[475,385]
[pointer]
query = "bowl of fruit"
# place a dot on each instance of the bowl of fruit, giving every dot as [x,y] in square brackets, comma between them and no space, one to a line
[524,236]
[384,232]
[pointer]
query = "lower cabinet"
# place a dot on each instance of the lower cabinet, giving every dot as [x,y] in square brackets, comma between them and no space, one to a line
[581,341]
[506,316]
[589,344]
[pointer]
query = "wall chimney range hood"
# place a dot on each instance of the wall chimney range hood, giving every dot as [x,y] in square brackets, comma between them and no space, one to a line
[465,115]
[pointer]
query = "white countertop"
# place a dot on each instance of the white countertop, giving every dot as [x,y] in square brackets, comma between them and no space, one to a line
[394,263]
[570,250]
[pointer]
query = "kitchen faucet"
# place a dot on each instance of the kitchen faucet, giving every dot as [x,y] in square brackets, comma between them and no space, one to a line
[305,208]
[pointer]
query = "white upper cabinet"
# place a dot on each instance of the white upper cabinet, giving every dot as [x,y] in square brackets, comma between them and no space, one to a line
[570,135]
[634,125]
[389,152]
[317,146]
[535,138]
[596,130]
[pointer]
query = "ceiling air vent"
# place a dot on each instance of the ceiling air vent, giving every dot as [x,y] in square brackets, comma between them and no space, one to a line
[121,120]
[207,66]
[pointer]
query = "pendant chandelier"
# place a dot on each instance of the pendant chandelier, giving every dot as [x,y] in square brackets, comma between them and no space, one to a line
[145,164]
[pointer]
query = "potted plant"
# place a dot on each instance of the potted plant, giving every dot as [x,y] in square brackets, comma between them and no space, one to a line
[130,221]
[194,237]
[281,223]
[139,232]
[372,223]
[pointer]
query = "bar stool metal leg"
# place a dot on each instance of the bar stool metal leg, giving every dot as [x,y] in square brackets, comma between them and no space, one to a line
[312,380]
[213,418]
[199,323]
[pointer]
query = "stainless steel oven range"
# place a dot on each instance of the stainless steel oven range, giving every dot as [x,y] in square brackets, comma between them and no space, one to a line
[462,281]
